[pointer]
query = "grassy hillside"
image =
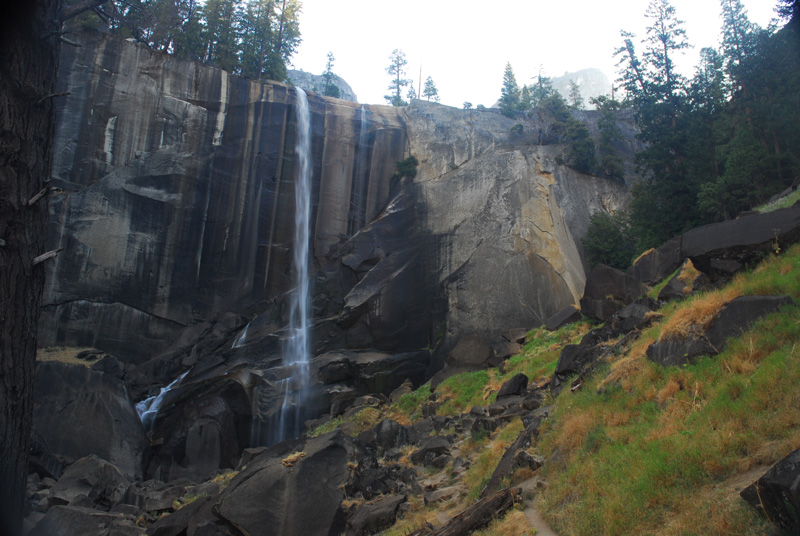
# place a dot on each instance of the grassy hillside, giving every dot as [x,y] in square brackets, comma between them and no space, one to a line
[640,448]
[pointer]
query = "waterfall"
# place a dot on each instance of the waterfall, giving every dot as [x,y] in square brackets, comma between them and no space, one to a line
[242,338]
[296,352]
[148,408]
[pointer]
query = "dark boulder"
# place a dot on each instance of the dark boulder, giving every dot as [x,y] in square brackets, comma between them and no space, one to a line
[374,517]
[684,282]
[79,411]
[273,496]
[743,240]
[94,478]
[777,493]
[567,315]
[432,448]
[734,318]
[675,351]
[388,434]
[74,521]
[574,358]
[202,429]
[634,316]
[471,353]
[604,282]
[656,264]
[740,314]
[513,387]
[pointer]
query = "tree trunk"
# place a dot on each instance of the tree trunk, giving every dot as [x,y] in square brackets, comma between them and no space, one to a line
[477,515]
[29,44]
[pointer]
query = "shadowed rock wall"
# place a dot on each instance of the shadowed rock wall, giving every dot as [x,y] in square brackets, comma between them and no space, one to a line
[178,200]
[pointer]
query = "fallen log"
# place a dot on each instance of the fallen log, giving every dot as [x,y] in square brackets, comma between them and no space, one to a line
[506,464]
[476,516]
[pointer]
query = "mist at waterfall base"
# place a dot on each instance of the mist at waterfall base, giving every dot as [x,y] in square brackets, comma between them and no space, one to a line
[294,411]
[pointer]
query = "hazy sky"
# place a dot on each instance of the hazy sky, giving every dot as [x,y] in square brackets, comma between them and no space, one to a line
[464,44]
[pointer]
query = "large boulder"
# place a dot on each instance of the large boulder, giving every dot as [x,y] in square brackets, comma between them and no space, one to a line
[75,520]
[273,495]
[743,240]
[79,411]
[202,428]
[374,517]
[656,264]
[734,318]
[608,290]
[93,477]
[777,493]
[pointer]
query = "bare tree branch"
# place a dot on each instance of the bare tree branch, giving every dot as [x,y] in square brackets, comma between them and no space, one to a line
[68,12]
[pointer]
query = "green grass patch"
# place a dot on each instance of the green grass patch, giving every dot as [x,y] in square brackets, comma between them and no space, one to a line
[784,202]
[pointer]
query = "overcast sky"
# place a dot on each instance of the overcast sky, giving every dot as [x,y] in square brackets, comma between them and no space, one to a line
[464,44]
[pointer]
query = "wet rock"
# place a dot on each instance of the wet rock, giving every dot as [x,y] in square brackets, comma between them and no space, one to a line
[684,282]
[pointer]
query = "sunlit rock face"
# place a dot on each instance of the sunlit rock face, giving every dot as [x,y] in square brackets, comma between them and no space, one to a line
[177,206]
[508,217]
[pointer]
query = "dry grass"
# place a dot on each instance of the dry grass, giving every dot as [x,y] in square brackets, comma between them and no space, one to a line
[693,317]
[65,354]
[292,459]
[514,523]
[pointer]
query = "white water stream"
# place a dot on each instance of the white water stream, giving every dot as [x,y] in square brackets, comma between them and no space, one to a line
[297,347]
[148,408]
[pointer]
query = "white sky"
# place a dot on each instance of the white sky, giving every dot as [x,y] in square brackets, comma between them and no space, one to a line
[464,44]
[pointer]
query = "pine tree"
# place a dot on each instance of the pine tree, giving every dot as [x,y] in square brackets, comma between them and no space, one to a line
[541,90]
[509,94]
[575,98]
[330,89]
[430,91]
[397,70]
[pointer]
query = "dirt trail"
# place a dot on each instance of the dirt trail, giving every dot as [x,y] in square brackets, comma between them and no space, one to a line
[535,519]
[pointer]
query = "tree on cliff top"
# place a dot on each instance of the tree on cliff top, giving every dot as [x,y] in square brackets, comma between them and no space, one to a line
[330,89]
[509,94]
[397,70]
[430,91]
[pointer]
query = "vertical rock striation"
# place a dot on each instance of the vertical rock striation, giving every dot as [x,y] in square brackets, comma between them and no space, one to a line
[177,208]
[177,184]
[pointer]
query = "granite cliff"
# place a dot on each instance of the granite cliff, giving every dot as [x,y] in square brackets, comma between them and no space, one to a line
[173,210]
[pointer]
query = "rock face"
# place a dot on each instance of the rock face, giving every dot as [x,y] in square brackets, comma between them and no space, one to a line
[79,411]
[316,83]
[177,199]
[174,209]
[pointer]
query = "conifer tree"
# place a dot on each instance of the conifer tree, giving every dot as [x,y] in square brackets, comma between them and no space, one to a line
[430,91]
[397,70]
[330,89]
[509,94]
[575,98]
